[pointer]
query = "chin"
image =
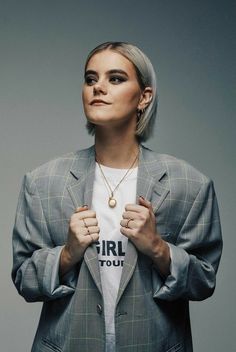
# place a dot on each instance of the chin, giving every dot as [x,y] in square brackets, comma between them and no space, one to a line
[100,120]
[109,121]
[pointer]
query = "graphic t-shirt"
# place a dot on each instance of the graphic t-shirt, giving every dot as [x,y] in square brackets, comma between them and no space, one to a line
[112,244]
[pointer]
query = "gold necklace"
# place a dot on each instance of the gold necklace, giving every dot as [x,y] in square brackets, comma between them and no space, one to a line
[112,201]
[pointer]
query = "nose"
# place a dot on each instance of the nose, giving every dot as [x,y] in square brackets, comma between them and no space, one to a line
[99,88]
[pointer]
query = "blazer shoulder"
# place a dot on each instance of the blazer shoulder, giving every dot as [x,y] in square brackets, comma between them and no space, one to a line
[56,168]
[183,179]
[177,170]
[182,168]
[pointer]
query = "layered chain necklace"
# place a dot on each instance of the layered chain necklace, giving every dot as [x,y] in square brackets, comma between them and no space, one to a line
[111,200]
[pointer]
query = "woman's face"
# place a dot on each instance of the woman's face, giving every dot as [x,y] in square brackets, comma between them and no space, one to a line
[111,92]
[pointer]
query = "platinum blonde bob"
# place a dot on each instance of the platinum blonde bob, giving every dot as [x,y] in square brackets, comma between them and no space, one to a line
[146,77]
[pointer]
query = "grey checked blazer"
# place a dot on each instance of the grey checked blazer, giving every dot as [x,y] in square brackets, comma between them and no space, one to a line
[152,313]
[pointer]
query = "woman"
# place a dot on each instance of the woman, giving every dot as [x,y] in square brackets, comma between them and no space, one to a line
[116,239]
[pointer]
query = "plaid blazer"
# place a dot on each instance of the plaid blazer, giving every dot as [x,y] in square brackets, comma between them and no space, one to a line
[152,313]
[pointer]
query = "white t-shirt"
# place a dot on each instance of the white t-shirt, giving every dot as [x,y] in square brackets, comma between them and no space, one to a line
[112,244]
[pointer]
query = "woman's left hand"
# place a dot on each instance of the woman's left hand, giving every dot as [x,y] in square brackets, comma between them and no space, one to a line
[139,226]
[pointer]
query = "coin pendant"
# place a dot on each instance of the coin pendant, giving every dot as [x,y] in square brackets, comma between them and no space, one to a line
[112,202]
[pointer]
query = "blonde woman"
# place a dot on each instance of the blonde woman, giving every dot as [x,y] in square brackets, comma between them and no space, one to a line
[116,239]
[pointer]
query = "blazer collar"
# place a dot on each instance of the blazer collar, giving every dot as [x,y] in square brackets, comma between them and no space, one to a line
[151,170]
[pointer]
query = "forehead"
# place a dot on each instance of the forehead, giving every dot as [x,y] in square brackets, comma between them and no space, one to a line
[107,60]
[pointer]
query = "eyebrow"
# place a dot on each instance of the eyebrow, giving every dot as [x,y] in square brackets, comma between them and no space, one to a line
[89,72]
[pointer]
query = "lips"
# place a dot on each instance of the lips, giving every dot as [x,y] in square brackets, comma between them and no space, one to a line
[99,102]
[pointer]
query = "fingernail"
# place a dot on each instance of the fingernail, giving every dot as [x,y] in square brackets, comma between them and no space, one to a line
[79,209]
[142,197]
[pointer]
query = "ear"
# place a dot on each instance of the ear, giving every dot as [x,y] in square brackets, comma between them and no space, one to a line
[145,98]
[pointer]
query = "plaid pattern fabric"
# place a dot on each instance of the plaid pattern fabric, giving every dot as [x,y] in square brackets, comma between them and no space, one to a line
[152,313]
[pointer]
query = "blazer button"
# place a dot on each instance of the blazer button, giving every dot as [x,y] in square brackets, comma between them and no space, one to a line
[99,308]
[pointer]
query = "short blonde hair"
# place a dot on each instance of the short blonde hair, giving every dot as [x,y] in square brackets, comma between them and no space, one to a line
[146,77]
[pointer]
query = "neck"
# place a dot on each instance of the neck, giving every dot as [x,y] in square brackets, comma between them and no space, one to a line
[116,150]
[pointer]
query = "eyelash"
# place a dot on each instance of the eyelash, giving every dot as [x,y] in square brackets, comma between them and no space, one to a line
[117,79]
[89,80]
[113,79]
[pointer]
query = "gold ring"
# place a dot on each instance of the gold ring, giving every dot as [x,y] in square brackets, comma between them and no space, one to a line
[127,225]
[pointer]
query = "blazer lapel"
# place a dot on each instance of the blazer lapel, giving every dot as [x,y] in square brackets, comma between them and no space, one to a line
[83,168]
[150,172]
[81,191]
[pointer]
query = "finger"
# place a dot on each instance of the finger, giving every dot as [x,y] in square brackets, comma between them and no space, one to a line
[94,237]
[133,207]
[87,231]
[126,232]
[88,222]
[124,222]
[145,203]
[84,222]
[129,223]
[130,215]
[85,214]
[93,229]
[81,231]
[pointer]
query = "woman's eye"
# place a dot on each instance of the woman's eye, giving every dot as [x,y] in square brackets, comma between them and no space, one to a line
[90,80]
[117,79]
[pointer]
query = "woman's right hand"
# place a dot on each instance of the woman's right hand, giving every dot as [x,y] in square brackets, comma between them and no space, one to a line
[83,230]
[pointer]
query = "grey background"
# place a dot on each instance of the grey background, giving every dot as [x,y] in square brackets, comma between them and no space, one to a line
[43,48]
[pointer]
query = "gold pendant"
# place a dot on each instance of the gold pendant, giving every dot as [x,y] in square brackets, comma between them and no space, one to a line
[112,202]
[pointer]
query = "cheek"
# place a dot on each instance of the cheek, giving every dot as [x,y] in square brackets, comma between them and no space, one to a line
[84,95]
[85,100]
[130,98]
[130,95]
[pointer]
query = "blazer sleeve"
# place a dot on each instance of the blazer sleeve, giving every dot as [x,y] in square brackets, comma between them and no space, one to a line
[36,259]
[195,256]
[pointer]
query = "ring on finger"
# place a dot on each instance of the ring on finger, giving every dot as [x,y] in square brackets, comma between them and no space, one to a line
[86,226]
[127,225]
